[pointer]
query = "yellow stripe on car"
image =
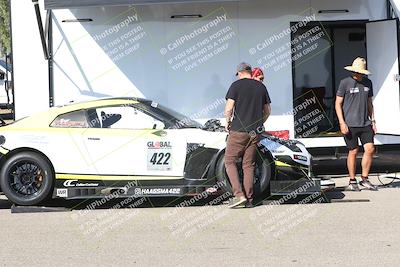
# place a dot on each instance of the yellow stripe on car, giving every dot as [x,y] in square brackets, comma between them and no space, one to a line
[62,176]
[281,164]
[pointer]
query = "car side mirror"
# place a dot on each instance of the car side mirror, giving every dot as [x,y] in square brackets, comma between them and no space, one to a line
[158,125]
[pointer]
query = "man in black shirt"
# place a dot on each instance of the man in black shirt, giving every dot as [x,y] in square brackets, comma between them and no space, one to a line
[247,108]
[355,112]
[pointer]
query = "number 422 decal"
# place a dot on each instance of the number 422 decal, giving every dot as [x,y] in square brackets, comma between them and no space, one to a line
[161,158]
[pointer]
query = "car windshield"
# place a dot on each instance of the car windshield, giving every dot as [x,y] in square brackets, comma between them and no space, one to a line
[180,120]
[174,118]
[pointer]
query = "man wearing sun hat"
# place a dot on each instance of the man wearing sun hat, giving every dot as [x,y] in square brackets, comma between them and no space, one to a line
[355,112]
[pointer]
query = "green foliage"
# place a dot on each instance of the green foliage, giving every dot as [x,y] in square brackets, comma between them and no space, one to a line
[5,40]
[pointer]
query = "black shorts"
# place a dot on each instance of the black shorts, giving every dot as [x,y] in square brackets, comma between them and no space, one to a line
[365,134]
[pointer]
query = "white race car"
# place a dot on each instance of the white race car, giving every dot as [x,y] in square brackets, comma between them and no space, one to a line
[131,147]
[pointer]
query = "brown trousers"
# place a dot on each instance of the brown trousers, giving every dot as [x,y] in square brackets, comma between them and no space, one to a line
[241,144]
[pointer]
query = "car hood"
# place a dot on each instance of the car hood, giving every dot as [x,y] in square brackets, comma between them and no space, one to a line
[216,140]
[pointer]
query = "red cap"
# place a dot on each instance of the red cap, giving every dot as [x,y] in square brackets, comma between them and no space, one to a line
[257,72]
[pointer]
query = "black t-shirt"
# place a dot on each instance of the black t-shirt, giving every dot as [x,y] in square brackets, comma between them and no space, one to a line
[250,97]
[355,102]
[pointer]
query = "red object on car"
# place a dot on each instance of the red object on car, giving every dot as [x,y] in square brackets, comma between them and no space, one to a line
[280,134]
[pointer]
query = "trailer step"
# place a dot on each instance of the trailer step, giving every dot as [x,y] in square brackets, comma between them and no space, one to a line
[338,157]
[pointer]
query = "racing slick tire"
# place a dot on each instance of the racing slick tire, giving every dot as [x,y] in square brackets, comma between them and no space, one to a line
[263,172]
[27,178]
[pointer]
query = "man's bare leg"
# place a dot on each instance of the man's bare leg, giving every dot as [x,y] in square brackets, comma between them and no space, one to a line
[366,163]
[351,163]
[351,166]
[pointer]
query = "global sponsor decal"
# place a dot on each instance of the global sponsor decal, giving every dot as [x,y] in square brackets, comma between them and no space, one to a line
[76,183]
[158,145]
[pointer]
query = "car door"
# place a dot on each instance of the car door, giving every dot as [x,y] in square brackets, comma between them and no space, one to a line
[383,62]
[64,145]
[127,141]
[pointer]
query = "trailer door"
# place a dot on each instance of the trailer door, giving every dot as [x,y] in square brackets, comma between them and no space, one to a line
[383,62]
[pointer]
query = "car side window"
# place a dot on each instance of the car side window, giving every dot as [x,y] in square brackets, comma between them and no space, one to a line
[76,119]
[122,117]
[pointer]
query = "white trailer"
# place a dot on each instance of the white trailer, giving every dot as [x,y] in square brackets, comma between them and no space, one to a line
[183,54]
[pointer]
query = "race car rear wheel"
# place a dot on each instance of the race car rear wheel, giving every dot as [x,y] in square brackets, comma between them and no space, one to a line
[263,172]
[27,178]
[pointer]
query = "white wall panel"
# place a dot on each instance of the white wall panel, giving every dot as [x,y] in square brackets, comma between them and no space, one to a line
[84,69]
[30,68]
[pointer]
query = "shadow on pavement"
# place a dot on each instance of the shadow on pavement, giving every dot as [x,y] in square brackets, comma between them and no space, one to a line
[5,204]
[57,205]
[389,183]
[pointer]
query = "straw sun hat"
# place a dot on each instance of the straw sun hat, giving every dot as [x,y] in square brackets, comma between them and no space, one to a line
[359,66]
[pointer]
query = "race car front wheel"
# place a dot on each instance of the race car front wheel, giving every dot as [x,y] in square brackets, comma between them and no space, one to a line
[263,171]
[27,178]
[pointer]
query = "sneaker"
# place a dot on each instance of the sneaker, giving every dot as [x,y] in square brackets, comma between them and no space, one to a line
[236,202]
[353,186]
[367,184]
[249,205]
[241,206]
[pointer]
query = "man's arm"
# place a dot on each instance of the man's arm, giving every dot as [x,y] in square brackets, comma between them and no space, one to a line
[371,109]
[230,104]
[267,112]
[371,113]
[339,112]
[339,109]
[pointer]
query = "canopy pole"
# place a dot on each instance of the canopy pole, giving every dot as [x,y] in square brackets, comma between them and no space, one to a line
[49,36]
[41,31]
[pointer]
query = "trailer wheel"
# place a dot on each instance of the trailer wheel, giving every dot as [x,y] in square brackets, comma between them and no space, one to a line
[27,178]
[263,172]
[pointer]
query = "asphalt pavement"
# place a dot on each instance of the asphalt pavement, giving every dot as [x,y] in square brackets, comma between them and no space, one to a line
[356,229]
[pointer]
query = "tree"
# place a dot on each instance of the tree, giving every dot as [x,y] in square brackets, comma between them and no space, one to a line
[5,40]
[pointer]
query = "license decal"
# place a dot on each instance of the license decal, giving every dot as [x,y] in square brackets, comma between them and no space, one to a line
[159,156]
[62,193]
[157,191]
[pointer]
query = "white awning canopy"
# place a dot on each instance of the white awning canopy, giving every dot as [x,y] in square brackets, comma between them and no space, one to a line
[58,4]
